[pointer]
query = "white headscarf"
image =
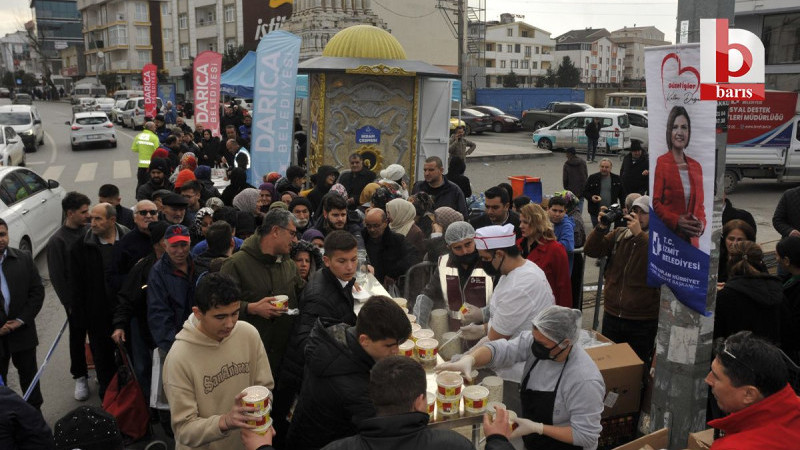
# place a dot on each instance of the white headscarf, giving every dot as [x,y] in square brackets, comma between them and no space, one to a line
[402,213]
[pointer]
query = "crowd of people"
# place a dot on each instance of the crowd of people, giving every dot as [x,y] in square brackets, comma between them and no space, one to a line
[255,285]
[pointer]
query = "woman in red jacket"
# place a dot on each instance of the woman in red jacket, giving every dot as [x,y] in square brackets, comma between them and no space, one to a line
[539,245]
[678,182]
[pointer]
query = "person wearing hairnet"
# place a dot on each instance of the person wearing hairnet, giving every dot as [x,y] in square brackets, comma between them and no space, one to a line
[458,278]
[562,389]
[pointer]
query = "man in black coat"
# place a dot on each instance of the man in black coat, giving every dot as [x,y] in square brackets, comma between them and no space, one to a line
[387,251]
[593,137]
[443,191]
[22,295]
[134,245]
[109,193]
[334,397]
[635,171]
[602,189]
[355,180]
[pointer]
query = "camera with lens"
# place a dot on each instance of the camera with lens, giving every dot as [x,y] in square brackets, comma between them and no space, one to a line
[613,214]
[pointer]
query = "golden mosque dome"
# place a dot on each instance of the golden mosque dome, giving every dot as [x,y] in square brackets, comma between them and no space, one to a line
[364,41]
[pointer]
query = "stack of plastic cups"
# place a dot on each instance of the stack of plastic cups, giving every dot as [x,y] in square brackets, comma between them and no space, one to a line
[495,386]
[258,397]
[439,323]
[448,395]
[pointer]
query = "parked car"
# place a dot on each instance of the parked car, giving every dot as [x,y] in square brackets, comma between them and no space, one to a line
[571,132]
[91,128]
[125,94]
[476,121]
[638,121]
[116,111]
[12,151]
[246,103]
[133,113]
[30,206]
[500,120]
[533,119]
[104,104]
[4,92]
[22,99]
[26,122]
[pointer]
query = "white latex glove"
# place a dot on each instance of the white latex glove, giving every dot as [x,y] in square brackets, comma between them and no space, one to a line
[472,332]
[526,427]
[474,314]
[463,366]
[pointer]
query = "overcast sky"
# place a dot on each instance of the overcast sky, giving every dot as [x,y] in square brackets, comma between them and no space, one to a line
[555,16]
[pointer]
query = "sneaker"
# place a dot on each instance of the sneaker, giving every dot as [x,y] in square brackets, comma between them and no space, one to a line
[81,389]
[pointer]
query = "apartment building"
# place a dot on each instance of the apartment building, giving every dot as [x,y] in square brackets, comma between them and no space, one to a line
[635,40]
[518,47]
[199,25]
[16,53]
[57,26]
[599,59]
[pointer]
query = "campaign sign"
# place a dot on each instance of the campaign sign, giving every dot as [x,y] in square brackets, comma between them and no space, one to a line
[207,73]
[368,135]
[150,90]
[681,130]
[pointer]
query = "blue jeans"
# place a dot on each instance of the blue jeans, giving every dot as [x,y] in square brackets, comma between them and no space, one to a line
[591,151]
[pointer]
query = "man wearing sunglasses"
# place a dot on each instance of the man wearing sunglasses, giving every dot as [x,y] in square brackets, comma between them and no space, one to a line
[135,245]
[749,381]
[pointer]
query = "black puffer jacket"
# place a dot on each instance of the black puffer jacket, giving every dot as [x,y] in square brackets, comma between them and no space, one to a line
[323,297]
[749,303]
[401,432]
[390,256]
[334,398]
[321,187]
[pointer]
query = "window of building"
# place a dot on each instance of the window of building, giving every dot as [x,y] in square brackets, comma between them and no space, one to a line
[499,48]
[781,36]
[534,64]
[527,51]
[509,32]
[184,51]
[502,64]
[517,48]
[524,64]
[536,50]
[140,12]
[143,56]
[166,34]
[524,33]
[169,57]
[230,43]
[117,35]
[587,60]
[489,63]
[499,80]
[489,47]
[230,13]
[142,36]
[165,9]
[211,46]
[183,21]
[514,64]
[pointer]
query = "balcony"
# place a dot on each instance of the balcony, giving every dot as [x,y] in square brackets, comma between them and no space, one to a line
[119,65]
[205,23]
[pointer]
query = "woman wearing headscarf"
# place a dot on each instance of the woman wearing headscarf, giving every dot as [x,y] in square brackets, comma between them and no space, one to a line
[401,220]
[238,179]
[562,389]
[202,220]
[306,257]
[267,195]
[733,232]
[209,149]
[188,161]
[455,173]
[323,180]
[247,201]
[423,203]
[436,245]
[365,200]
[539,245]
[392,178]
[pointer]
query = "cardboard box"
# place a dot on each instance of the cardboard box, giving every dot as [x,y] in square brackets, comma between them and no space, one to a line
[701,440]
[656,440]
[622,374]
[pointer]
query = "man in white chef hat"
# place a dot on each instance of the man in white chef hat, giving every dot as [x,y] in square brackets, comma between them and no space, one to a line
[519,295]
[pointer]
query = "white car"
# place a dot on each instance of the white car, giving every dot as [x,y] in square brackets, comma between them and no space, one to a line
[30,206]
[12,152]
[638,122]
[90,128]
[26,122]
[116,111]
[104,104]
[571,132]
[133,112]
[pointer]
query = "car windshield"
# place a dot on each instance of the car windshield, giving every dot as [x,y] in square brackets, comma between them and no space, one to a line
[15,118]
[493,111]
[471,112]
[91,120]
[121,103]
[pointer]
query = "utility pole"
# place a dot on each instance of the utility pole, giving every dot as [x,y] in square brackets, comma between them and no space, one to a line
[461,19]
[684,340]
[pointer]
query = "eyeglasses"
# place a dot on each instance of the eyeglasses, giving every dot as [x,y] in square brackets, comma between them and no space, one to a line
[145,212]
[292,233]
[733,357]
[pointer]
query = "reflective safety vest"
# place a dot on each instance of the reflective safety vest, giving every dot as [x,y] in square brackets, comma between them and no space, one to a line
[477,290]
[145,143]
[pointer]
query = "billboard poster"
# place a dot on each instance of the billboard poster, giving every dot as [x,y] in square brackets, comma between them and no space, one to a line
[272,141]
[166,91]
[207,75]
[754,122]
[261,17]
[150,89]
[681,131]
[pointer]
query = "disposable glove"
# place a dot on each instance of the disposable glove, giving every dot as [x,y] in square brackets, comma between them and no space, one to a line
[422,309]
[474,314]
[526,427]
[472,332]
[463,366]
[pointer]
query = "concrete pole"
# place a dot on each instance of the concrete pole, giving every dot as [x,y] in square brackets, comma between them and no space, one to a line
[461,19]
[684,341]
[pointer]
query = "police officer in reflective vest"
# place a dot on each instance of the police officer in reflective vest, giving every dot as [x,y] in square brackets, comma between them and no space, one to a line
[145,143]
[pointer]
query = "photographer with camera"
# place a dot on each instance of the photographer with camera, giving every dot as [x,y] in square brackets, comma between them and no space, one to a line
[603,188]
[631,306]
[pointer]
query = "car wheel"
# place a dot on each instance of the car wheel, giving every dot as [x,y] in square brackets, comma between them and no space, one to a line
[25,245]
[539,125]
[546,144]
[467,129]
[112,144]
[74,147]
[497,127]
[729,181]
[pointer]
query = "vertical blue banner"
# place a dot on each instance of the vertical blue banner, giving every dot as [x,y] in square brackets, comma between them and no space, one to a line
[273,103]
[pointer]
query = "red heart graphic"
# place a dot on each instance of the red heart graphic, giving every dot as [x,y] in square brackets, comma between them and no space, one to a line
[681,71]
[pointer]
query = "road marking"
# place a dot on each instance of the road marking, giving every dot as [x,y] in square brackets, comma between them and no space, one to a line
[86,172]
[53,172]
[53,146]
[122,169]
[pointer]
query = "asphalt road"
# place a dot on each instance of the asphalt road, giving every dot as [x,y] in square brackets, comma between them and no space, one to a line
[86,170]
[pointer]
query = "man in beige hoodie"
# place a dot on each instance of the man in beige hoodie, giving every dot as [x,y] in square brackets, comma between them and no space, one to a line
[213,359]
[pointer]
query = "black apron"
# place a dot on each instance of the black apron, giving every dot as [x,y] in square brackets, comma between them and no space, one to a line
[538,406]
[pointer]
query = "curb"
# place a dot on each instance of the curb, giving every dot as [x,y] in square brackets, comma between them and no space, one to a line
[509,157]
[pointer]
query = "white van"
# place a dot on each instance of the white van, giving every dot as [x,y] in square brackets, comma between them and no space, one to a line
[124,94]
[570,131]
[627,100]
[638,122]
[88,90]
[133,112]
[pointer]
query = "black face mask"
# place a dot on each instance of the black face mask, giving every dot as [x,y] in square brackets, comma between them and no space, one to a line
[541,352]
[490,269]
[468,259]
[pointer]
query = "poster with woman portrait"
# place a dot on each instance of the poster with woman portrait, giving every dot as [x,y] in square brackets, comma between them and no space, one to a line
[681,141]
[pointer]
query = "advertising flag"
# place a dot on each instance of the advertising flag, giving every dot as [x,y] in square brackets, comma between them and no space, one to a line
[273,103]
[682,133]
[150,89]
[207,73]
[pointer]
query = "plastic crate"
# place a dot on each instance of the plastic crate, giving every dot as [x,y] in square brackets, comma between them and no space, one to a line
[527,185]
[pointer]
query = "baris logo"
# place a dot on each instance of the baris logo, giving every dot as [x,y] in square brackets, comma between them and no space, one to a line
[731,62]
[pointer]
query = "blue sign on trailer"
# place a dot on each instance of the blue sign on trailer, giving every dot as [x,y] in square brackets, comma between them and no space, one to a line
[515,100]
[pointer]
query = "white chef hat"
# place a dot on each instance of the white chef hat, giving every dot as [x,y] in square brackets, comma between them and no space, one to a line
[495,236]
